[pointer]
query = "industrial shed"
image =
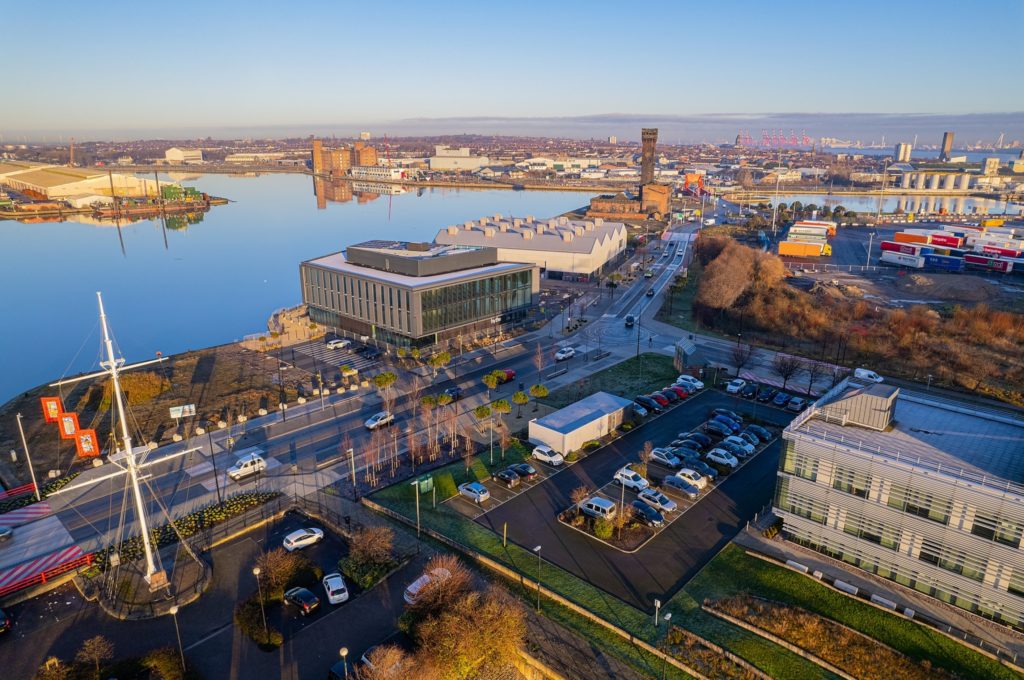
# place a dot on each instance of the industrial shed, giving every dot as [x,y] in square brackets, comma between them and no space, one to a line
[568,429]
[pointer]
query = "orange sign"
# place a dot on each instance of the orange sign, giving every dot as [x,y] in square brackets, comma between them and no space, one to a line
[52,408]
[87,444]
[68,424]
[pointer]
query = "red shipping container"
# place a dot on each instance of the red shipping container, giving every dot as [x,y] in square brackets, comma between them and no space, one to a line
[905,248]
[947,240]
[992,263]
[1005,252]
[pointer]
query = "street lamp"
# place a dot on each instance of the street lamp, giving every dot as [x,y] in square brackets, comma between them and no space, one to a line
[344,659]
[259,586]
[181,652]
[537,550]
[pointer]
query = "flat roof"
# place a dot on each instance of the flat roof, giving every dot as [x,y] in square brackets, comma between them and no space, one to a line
[55,176]
[586,410]
[339,263]
[413,250]
[558,234]
[958,436]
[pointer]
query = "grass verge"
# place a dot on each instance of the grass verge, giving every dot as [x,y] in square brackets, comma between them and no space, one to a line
[637,375]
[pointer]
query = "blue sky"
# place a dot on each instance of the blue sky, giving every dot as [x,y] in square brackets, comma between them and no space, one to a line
[115,67]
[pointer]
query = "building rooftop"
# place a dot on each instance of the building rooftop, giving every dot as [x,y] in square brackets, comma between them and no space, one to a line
[558,234]
[412,249]
[573,416]
[338,262]
[949,436]
[55,176]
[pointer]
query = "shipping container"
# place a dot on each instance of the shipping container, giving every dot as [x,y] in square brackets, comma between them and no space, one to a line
[1003,252]
[830,226]
[809,230]
[990,263]
[944,262]
[904,237]
[904,260]
[946,239]
[992,222]
[800,249]
[905,248]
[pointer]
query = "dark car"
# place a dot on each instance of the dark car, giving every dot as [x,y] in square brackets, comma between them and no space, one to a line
[650,292]
[717,428]
[702,439]
[630,320]
[766,393]
[749,392]
[646,514]
[303,599]
[691,443]
[734,449]
[648,403]
[761,433]
[660,398]
[455,392]
[508,477]
[781,399]
[5,621]
[736,418]
[703,468]
[371,353]
[670,395]
[361,349]
[524,471]
[681,391]
[733,426]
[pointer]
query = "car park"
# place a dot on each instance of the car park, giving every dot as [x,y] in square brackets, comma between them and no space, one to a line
[780,399]
[739,442]
[303,599]
[630,479]
[508,477]
[525,471]
[727,422]
[749,392]
[761,433]
[796,404]
[565,353]
[693,477]
[546,454]
[412,592]
[382,419]
[660,398]
[338,343]
[302,538]
[474,491]
[657,500]
[646,514]
[766,393]
[735,417]
[665,457]
[598,508]
[702,439]
[335,588]
[249,464]
[716,428]
[639,410]
[648,403]
[735,386]
[455,392]
[722,457]
[681,485]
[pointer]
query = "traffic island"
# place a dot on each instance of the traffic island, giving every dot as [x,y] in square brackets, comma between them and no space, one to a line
[628,538]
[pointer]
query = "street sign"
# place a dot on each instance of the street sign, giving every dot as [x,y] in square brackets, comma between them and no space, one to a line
[183,411]
[425,484]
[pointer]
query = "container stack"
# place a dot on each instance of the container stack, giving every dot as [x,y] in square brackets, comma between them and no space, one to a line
[808,239]
[958,246]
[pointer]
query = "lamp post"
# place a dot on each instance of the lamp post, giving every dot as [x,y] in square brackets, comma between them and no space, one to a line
[28,459]
[537,550]
[344,659]
[657,610]
[181,652]
[213,461]
[664,658]
[259,587]
[416,485]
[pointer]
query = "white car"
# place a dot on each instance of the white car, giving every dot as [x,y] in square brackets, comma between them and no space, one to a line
[658,500]
[865,374]
[334,586]
[474,491]
[413,591]
[302,538]
[665,457]
[379,420]
[735,385]
[722,457]
[249,464]
[338,343]
[546,454]
[740,442]
[565,353]
[631,480]
[693,477]
[689,381]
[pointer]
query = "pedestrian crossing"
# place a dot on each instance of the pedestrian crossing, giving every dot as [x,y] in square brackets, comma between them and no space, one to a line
[335,357]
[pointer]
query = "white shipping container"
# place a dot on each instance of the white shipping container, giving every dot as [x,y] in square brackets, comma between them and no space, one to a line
[915,261]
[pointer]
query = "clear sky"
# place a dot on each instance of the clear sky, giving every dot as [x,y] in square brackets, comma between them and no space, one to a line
[183,65]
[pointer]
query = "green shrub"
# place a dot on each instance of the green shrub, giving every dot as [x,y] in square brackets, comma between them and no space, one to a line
[591,445]
[249,619]
[572,457]
[165,664]
[626,427]
[603,529]
[364,574]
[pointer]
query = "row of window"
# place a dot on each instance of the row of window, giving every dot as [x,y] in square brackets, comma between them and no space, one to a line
[375,303]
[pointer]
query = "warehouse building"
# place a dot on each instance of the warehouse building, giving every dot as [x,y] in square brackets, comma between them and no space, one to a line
[570,250]
[416,294]
[59,182]
[923,492]
[178,156]
[569,428]
[456,158]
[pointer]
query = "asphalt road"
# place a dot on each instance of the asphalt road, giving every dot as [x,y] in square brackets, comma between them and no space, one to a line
[672,558]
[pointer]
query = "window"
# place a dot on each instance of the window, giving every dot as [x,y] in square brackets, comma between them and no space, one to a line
[851,481]
[1016,584]
[799,464]
[995,529]
[918,503]
[930,553]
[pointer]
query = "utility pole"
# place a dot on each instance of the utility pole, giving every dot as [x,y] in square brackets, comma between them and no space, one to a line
[28,458]
[871,238]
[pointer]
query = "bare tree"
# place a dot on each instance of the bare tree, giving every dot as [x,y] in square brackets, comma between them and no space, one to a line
[622,518]
[741,355]
[645,458]
[504,438]
[372,545]
[388,662]
[815,370]
[449,580]
[786,366]
[538,361]
[578,495]
[95,651]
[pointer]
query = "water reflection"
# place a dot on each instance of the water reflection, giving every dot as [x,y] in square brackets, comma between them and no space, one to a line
[344,190]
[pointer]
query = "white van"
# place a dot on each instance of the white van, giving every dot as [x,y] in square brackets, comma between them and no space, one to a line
[865,374]
[598,508]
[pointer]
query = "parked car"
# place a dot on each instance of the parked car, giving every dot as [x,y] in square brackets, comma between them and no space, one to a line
[766,393]
[722,457]
[740,442]
[762,434]
[665,457]
[338,343]
[660,398]
[302,538]
[565,353]
[750,438]
[749,392]
[630,320]
[455,392]
[680,485]
[703,468]
[412,592]
[474,491]
[303,599]
[865,374]
[546,454]
[693,477]
[508,477]
[680,390]
[646,514]
[249,464]
[371,353]
[6,533]
[671,395]
[737,451]
[690,443]
[335,588]
[648,403]
[506,375]
[657,500]
[702,439]
[780,399]
[639,410]
[728,414]
[382,419]
[735,385]
[729,423]
[630,479]
[689,382]
[525,471]
[598,507]
[796,404]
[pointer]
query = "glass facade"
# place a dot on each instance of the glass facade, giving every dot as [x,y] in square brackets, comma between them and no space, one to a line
[470,301]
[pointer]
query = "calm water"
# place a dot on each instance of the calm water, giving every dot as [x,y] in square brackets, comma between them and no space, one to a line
[215,282]
[916,204]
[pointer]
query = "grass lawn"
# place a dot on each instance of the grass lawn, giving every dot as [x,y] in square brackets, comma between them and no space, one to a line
[637,375]
[733,572]
[679,312]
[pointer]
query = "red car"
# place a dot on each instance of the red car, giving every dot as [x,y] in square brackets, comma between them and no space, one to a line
[662,401]
[510,375]
[679,390]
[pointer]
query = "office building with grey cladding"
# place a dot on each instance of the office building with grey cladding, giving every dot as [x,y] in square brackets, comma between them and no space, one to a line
[417,294]
[922,491]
